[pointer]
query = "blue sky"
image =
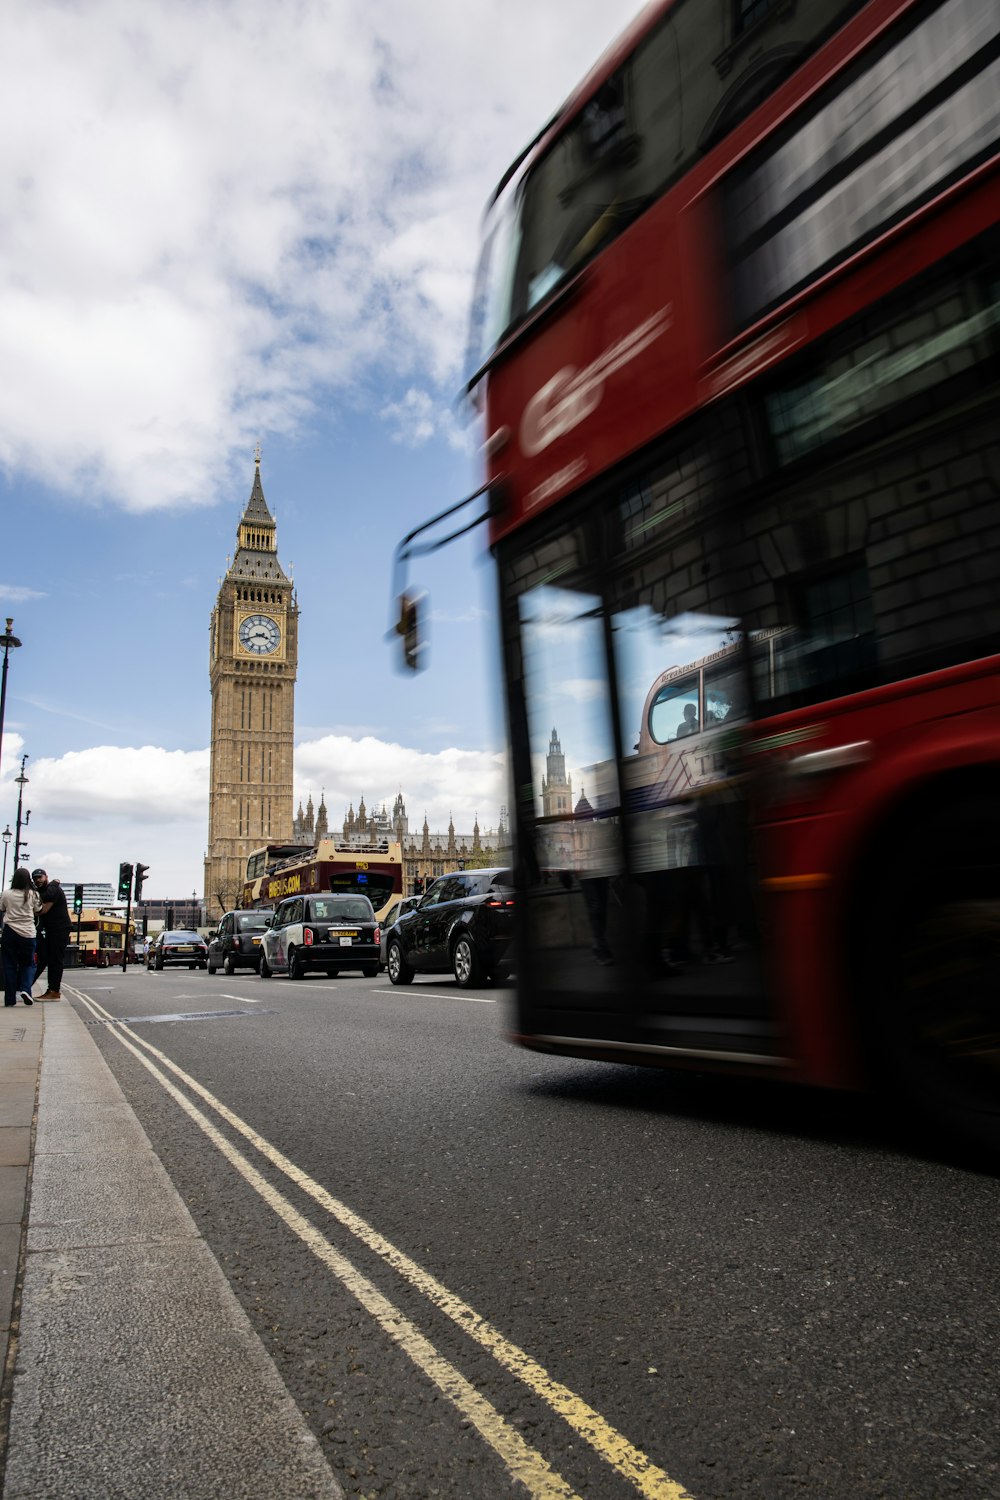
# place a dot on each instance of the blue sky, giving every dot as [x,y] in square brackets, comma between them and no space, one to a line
[223,225]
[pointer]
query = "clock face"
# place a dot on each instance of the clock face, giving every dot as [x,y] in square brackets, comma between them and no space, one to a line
[260,634]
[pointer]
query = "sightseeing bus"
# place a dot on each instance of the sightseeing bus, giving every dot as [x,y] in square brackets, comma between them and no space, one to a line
[98,937]
[275,871]
[736,342]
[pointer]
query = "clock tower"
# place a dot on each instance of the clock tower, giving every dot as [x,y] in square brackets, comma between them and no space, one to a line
[253,656]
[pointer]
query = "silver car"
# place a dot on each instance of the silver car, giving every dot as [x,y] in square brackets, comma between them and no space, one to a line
[392,916]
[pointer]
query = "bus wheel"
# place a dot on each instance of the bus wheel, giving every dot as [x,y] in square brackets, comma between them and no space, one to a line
[465,962]
[937,995]
[399,970]
[265,968]
[296,969]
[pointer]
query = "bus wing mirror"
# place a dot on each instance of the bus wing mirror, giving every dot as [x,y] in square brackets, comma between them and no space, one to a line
[408,628]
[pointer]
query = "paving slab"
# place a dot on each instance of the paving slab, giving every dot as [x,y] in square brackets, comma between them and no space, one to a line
[137,1370]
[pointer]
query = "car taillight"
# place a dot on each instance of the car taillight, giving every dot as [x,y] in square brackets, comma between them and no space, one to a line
[307,936]
[495,901]
[375,936]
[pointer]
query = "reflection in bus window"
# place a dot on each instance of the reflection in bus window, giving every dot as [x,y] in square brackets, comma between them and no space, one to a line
[674,714]
[725,699]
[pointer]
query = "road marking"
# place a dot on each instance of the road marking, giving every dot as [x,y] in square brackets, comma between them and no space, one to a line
[609,1444]
[243,999]
[436,995]
[524,1463]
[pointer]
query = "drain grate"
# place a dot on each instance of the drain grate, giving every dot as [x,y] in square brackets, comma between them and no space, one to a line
[177,1015]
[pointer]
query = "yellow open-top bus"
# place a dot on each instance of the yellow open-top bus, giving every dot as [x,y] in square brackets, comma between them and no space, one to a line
[278,870]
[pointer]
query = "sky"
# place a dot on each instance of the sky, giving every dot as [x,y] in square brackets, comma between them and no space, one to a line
[227,224]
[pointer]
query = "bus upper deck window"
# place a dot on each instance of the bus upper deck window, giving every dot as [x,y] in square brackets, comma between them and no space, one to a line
[675,712]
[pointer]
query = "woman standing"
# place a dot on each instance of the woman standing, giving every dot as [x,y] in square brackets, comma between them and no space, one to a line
[17,942]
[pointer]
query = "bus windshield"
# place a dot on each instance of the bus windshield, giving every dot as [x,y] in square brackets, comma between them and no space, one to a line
[645,124]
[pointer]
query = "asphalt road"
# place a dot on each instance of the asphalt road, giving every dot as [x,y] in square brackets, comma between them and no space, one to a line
[482,1272]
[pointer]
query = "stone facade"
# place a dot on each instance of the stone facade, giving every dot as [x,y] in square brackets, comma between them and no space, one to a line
[425,856]
[253,653]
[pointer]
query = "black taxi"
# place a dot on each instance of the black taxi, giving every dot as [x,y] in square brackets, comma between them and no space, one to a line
[323,934]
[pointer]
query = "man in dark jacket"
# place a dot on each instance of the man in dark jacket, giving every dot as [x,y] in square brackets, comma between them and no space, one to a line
[53,932]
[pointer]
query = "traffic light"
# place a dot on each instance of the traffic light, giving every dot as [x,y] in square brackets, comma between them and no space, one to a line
[408,627]
[78,899]
[124,881]
[140,875]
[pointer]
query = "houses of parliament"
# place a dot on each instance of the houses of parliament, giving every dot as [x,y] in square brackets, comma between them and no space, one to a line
[253,666]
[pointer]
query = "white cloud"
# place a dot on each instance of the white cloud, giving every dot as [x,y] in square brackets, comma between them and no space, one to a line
[14,593]
[213,214]
[91,809]
[419,416]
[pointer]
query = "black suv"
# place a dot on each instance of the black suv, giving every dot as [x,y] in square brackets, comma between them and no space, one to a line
[236,945]
[464,923]
[328,933]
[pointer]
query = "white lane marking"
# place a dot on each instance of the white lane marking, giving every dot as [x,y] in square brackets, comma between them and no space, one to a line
[524,1463]
[243,999]
[610,1445]
[435,995]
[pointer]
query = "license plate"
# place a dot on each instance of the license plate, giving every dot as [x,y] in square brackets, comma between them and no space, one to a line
[184,948]
[351,932]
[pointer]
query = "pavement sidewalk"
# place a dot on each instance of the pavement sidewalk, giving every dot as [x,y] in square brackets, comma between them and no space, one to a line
[131,1370]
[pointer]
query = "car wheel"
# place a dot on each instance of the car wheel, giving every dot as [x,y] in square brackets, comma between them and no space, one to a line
[465,962]
[399,970]
[159,964]
[370,971]
[230,966]
[296,968]
[265,968]
[212,968]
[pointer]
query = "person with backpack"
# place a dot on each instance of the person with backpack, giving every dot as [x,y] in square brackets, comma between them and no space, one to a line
[18,907]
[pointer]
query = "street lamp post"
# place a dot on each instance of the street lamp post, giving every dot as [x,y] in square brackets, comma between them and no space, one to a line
[21,782]
[6,836]
[10,641]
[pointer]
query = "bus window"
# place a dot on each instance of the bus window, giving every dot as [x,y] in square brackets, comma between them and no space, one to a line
[725,696]
[674,713]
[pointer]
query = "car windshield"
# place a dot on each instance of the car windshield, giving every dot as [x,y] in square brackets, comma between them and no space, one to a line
[342,911]
[255,921]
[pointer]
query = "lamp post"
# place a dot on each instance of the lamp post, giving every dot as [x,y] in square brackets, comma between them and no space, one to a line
[21,782]
[9,642]
[6,836]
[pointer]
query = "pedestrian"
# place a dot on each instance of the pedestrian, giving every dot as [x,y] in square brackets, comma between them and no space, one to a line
[54,928]
[17,941]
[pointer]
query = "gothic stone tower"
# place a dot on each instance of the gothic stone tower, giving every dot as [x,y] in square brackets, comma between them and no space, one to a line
[557,787]
[253,652]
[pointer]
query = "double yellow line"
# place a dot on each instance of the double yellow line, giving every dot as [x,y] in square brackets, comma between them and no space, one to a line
[523,1462]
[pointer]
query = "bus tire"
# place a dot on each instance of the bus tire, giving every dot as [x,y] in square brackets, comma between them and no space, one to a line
[296,968]
[934,959]
[399,970]
[465,962]
[265,968]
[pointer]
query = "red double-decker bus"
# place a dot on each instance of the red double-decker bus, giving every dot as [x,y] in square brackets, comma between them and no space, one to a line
[737,346]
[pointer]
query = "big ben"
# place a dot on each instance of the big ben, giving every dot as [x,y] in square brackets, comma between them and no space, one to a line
[253,653]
